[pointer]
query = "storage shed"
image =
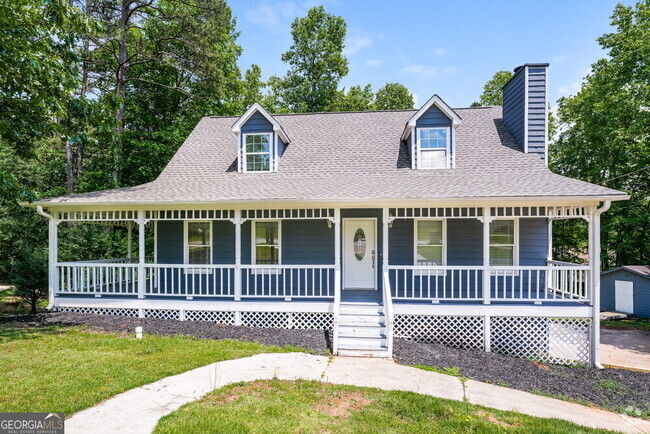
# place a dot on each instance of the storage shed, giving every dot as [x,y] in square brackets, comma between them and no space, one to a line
[626,289]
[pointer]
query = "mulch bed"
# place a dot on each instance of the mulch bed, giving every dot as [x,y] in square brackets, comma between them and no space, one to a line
[314,341]
[616,389]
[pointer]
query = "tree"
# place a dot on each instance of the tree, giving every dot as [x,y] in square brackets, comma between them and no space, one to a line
[604,134]
[30,277]
[251,88]
[393,96]
[37,77]
[316,62]
[493,89]
[355,99]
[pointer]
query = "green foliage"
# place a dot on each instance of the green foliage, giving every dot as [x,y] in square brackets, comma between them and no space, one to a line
[316,62]
[394,96]
[493,89]
[355,99]
[30,276]
[50,368]
[604,134]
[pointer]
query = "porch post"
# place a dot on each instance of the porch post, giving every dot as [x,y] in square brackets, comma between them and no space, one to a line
[141,254]
[487,218]
[384,250]
[594,280]
[237,255]
[53,249]
[337,253]
[129,239]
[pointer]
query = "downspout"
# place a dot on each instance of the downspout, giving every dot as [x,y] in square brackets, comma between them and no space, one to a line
[52,254]
[596,281]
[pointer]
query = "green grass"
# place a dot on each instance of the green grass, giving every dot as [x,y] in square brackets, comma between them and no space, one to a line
[50,368]
[627,324]
[310,406]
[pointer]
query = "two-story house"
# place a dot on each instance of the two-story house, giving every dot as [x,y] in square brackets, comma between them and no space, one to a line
[432,224]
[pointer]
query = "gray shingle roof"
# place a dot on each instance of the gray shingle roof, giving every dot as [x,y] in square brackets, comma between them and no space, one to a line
[641,270]
[350,156]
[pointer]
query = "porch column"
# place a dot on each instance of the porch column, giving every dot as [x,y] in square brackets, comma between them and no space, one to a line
[141,254]
[237,222]
[53,258]
[594,280]
[487,219]
[337,253]
[384,250]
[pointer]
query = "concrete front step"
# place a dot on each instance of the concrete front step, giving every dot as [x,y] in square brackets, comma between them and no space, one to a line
[363,353]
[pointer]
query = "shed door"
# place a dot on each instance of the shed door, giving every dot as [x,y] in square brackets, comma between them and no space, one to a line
[624,296]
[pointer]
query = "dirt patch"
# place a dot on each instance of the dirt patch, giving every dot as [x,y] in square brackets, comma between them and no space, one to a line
[252,389]
[344,404]
[541,366]
[493,419]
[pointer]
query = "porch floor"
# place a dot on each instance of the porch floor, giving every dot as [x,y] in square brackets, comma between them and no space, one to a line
[361,296]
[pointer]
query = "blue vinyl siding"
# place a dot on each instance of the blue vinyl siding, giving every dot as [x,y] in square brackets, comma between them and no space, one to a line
[464,242]
[433,117]
[307,242]
[170,242]
[223,248]
[533,241]
[515,104]
[257,124]
[641,291]
[400,242]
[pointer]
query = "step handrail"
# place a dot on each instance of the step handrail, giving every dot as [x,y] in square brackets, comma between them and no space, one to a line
[388,310]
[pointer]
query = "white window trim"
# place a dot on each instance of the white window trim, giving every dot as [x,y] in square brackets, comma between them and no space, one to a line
[253,246]
[271,152]
[186,248]
[515,253]
[447,148]
[444,239]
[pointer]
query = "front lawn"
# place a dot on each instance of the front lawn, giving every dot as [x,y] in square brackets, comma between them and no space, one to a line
[627,324]
[50,368]
[310,406]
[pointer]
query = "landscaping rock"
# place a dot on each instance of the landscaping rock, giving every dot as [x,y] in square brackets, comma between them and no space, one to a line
[616,389]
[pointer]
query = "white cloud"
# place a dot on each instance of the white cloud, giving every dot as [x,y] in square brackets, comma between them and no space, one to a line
[416,99]
[373,63]
[421,70]
[359,41]
[450,70]
[440,52]
[275,15]
[558,58]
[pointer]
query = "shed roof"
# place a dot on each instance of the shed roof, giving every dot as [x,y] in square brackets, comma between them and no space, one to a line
[349,156]
[641,270]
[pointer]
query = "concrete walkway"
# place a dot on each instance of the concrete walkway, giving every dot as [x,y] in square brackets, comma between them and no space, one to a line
[138,410]
[628,349]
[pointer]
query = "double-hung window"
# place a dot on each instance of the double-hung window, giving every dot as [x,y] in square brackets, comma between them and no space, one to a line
[266,242]
[198,242]
[503,243]
[429,242]
[433,148]
[258,149]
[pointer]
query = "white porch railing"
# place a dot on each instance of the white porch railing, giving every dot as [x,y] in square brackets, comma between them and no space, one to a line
[388,310]
[163,280]
[287,281]
[97,278]
[415,282]
[555,282]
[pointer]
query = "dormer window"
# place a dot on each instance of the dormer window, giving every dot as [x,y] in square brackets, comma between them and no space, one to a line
[257,152]
[433,148]
[261,141]
[429,135]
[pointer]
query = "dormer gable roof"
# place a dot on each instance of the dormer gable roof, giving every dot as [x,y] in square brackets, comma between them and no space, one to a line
[442,106]
[257,108]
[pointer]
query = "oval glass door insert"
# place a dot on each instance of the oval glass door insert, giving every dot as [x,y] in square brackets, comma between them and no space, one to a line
[359,244]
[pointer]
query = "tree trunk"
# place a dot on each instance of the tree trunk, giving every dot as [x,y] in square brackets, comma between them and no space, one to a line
[69,167]
[33,301]
[120,84]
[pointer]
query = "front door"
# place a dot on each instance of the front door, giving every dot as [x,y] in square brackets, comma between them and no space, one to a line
[359,237]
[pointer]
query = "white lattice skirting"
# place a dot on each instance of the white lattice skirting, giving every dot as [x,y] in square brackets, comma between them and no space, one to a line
[551,340]
[284,320]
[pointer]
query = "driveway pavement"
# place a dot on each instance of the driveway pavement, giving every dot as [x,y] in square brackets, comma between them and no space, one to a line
[625,348]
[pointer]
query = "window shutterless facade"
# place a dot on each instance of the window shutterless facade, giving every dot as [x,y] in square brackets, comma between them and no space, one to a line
[504,247]
[266,242]
[258,152]
[430,239]
[433,148]
[198,242]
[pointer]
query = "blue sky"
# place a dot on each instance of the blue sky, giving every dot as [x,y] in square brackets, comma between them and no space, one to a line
[450,48]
